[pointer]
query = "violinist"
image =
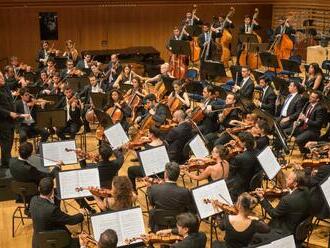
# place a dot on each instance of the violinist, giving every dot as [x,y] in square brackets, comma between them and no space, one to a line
[97,73]
[71,52]
[122,195]
[44,83]
[240,228]
[70,70]
[187,226]
[108,239]
[260,131]
[126,76]
[72,106]
[27,127]
[292,209]
[314,78]
[180,95]
[284,28]
[85,63]
[50,69]
[268,97]
[57,89]
[214,172]
[245,88]
[112,72]
[43,54]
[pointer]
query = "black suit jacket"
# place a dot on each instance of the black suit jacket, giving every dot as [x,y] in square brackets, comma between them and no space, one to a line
[290,211]
[169,196]
[177,138]
[316,119]
[6,106]
[268,101]
[247,90]
[22,171]
[20,109]
[294,109]
[193,240]
[201,38]
[46,216]
[210,122]
[289,31]
[242,28]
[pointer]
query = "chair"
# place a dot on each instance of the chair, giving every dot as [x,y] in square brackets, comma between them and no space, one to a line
[303,231]
[25,191]
[162,219]
[256,180]
[53,239]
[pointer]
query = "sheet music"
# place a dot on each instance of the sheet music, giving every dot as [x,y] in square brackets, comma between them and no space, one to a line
[326,190]
[70,180]
[210,191]
[154,160]
[116,136]
[287,242]
[56,151]
[269,162]
[127,224]
[198,147]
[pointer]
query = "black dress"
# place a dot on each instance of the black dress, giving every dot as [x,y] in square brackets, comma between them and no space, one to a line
[235,239]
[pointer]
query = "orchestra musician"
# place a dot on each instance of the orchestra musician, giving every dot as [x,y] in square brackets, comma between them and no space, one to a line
[97,73]
[284,28]
[126,76]
[108,239]
[240,228]
[220,22]
[122,195]
[164,73]
[207,39]
[213,172]
[245,88]
[43,54]
[314,78]
[10,79]
[71,52]
[179,94]
[85,63]
[44,83]
[57,88]
[268,97]
[179,35]
[169,196]
[47,216]
[50,69]
[72,107]
[292,209]
[260,131]
[187,227]
[27,127]
[112,72]
[191,19]
[70,70]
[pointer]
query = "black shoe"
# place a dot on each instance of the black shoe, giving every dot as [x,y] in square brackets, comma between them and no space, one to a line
[27,213]
[134,160]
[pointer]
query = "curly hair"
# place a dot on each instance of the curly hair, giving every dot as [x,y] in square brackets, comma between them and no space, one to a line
[122,193]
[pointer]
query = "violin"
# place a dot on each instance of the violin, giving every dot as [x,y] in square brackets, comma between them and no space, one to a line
[315,163]
[153,238]
[148,181]
[99,192]
[138,143]
[197,164]
[223,206]
[87,239]
[85,155]
[272,192]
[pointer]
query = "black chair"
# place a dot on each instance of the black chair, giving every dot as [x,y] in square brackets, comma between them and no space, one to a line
[303,231]
[25,191]
[162,219]
[53,239]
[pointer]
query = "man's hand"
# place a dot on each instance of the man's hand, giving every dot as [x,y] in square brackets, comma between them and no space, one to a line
[13,115]
[284,120]
[260,193]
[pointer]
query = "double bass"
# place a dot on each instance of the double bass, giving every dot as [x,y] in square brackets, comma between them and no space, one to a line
[195,49]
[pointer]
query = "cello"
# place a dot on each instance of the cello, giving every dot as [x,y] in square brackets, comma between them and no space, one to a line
[251,58]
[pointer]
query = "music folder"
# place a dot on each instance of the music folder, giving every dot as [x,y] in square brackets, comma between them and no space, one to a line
[269,162]
[52,152]
[198,147]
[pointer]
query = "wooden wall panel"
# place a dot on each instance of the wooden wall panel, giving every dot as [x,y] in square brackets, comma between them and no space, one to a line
[120,26]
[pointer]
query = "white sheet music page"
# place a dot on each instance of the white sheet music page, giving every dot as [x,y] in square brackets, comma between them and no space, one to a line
[198,147]
[326,190]
[116,136]
[70,180]
[56,152]
[287,242]
[210,191]
[127,224]
[269,162]
[154,160]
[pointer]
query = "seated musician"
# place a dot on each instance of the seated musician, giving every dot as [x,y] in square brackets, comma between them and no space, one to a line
[179,94]
[168,195]
[136,171]
[43,54]
[137,89]
[247,28]
[50,69]
[268,97]
[85,63]
[57,85]
[44,83]
[72,107]
[116,101]
[47,216]
[291,107]
[164,72]
[292,209]
[108,239]
[107,168]
[245,88]
[187,227]
[240,228]
[27,127]
[213,172]
[229,114]
[70,70]
[313,80]
[126,76]
[243,166]
[71,52]
[284,28]
[97,73]
[112,71]
[122,195]
[178,136]
[260,131]
[310,121]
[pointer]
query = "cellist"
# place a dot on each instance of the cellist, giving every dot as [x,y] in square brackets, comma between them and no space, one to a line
[178,99]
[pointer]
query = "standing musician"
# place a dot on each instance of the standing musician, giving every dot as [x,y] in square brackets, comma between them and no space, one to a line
[247,28]
[284,28]
[112,72]
[11,80]
[268,97]
[213,172]
[121,196]
[27,128]
[309,122]
[71,105]
[292,209]
[207,39]
[71,52]
[187,227]
[178,95]
[246,87]
[241,227]
[108,239]
[126,76]
[169,196]
[313,80]
[178,35]
[228,24]
[85,63]
[43,54]
[191,19]
[178,136]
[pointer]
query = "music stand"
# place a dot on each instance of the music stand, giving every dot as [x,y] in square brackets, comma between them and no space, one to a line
[52,98]
[180,47]
[194,30]
[236,70]
[51,118]
[195,87]
[60,62]
[291,66]
[34,89]
[213,69]
[99,100]
[77,83]
[281,85]
[103,118]
[269,60]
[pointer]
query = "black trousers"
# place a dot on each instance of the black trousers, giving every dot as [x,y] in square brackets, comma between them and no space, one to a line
[6,143]
[71,128]
[303,136]
[26,132]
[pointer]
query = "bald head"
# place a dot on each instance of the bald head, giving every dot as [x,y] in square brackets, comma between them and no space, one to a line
[179,116]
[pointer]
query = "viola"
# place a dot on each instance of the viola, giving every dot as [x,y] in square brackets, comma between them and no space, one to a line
[153,238]
[223,206]
[99,192]
[148,181]
[138,143]
[272,192]
[197,164]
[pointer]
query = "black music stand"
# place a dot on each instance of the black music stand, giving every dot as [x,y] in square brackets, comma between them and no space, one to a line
[52,98]
[34,89]
[281,85]
[213,69]
[77,83]
[195,87]
[194,30]
[291,66]
[51,118]
[269,60]
[103,118]
[99,100]
[180,47]
[236,70]
[60,62]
